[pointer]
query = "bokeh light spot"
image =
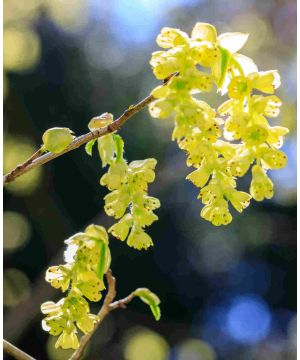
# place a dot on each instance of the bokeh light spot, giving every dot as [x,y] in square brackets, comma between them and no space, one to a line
[16,151]
[16,287]
[248,320]
[16,11]
[195,349]
[21,49]
[71,15]
[16,231]
[253,24]
[142,343]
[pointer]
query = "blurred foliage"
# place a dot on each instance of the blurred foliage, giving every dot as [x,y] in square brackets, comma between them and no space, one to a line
[16,287]
[16,151]
[68,60]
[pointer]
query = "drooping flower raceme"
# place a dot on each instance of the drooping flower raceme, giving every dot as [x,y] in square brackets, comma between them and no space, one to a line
[222,145]
[87,260]
[128,185]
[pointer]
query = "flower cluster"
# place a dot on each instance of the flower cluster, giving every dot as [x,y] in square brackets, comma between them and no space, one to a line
[87,259]
[222,144]
[63,317]
[128,184]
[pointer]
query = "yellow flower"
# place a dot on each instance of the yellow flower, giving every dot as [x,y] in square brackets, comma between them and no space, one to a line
[239,199]
[255,135]
[117,202]
[240,163]
[204,53]
[121,229]
[170,37]
[217,212]
[67,340]
[273,158]
[265,81]
[239,87]
[235,126]
[211,192]
[163,67]
[59,276]
[200,176]
[87,323]
[90,285]
[138,239]
[261,186]
[276,135]
[161,108]
[54,324]
[266,105]
[116,175]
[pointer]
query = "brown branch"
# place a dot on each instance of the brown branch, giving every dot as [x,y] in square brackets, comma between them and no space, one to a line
[35,160]
[122,302]
[15,352]
[17,171]
[107,307]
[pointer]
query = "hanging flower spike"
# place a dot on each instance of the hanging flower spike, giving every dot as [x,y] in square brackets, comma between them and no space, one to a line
[87,260]
[128,184]
[198,129]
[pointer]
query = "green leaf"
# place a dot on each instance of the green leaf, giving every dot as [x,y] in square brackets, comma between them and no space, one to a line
[155,311]
[89,147]
[225,57]
[119,147]
[151,299]
[102,261]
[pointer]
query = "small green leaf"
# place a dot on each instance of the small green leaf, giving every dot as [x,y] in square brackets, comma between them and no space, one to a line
[89,147]
[119,147]
[102,260]
[151,299]
[225,56]
[155,311]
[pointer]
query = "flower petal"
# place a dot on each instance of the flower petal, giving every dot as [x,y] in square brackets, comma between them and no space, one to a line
[204,31]
[233,42]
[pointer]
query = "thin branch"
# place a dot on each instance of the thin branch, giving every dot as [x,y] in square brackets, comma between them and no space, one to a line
[77,142]
[35,161]
[15,352]
[122,302]
[17,171]
[107,307]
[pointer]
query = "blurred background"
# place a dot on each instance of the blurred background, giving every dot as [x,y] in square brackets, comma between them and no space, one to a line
[227,293]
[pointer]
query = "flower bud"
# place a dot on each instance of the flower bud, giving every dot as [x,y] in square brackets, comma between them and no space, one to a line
[57,139]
